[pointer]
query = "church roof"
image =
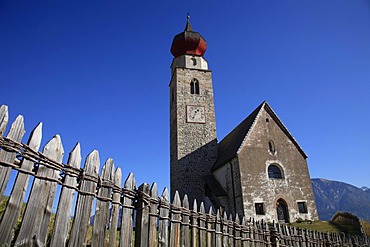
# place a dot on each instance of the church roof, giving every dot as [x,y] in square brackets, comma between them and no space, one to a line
[229,146]
[188,42]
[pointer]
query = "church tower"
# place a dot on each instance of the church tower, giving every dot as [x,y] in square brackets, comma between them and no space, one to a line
[193,143]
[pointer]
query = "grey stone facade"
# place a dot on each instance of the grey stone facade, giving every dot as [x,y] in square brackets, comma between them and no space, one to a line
[193,148]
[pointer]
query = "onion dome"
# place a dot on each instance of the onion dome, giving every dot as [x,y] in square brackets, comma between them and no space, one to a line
[188,42]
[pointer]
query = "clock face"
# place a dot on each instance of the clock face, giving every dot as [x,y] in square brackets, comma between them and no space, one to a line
[195,114]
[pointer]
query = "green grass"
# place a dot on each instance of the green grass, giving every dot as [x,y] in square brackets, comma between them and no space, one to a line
[328,226]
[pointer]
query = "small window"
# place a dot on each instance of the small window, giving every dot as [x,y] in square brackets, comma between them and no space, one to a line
[194,61]
[272,147]
[274,171]
[194,86]
[302,207]
[260,209]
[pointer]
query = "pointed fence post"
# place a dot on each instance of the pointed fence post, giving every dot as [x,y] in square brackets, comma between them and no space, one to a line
[4,117]
[274,235]
[115,207]
[244,232]
[85,199]
[15,134]
[202,226]
[153,216]
[175,221]
[211,220]
[163,219]
[142,216]
[218,232]
[225,230]
[127,211]
[38,211]
[237,231]
[185,237]
[102,205]
[194,225]
[231,231]
[16,198]
[64,212]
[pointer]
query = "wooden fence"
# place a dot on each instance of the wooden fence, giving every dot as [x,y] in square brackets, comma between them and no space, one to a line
[123,216]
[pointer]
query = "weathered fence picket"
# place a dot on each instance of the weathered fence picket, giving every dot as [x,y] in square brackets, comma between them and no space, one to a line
[3,118]
[202,226]
[164,206]
[127,211]
[185,237]
[64,212]
[218,233]
[17,195]
[15,134]
[102,205]
[153,213]
[85,200]
[115,207]
[175,221]
[142,218]
[38,211]
[194,223]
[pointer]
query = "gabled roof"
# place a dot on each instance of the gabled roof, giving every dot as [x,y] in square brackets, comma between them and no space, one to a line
[229,146]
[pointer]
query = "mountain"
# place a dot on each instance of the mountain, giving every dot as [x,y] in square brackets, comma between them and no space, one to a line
[334,196]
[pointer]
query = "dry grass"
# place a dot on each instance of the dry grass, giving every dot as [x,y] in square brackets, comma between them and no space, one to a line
[366,226]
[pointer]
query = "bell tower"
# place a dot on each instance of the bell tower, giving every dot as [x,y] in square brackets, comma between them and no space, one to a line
[193,143]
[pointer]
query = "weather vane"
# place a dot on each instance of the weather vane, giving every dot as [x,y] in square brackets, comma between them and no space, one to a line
[188,16]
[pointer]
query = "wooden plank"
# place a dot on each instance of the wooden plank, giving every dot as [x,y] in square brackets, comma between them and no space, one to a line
[84,201]
[237,232]
[153,216]
[115,207]
[127,211]
[15,133]
[210,228]
[244,232]
[17,195]
[202,226]
[4,117]
[225,230]
[64,211]
[142,216]
[163,219]
[102,206]
[175,221]
[231,231]
[194,225]
[39,206]
[218,229]
[185,238]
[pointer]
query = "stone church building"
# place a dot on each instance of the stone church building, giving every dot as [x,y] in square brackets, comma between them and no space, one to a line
[258,170]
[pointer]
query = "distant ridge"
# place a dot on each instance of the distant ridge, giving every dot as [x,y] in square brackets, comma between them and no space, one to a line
[334,196]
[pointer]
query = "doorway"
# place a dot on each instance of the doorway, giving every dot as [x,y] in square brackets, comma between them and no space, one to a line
[282,211]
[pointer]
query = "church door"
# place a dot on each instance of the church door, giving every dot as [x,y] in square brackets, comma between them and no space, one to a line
[282,211]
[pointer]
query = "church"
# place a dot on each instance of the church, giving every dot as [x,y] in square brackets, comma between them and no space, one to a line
[258,170]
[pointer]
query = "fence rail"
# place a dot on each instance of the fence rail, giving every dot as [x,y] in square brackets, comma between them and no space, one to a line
[123,216]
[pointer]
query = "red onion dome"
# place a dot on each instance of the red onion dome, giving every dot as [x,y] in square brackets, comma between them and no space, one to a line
[188,42]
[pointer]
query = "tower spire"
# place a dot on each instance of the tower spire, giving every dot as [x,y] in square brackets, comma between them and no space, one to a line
[188,25]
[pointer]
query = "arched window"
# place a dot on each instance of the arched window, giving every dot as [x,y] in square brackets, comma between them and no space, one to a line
[194,86]
[274,171]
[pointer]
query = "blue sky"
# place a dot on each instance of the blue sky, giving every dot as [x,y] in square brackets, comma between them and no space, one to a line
[97,72]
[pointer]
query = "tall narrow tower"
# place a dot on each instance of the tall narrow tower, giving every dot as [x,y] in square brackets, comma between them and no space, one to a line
[193,143]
